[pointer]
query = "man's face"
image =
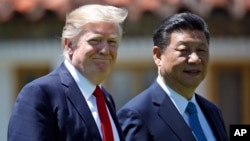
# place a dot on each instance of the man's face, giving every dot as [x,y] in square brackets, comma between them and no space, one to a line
[183,64]
[96,50]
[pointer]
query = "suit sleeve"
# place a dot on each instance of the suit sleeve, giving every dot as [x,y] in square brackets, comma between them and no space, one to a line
[132,125]
[31,118]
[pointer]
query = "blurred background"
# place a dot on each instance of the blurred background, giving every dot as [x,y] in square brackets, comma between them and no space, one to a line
[30,33]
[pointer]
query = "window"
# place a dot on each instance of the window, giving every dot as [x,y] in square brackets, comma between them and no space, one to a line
[126,81]
[230,90]
[25,74]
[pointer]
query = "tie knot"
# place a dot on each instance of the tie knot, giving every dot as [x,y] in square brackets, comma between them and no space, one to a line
[191,109]
[97,92]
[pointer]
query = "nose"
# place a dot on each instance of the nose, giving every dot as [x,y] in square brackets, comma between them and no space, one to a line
[194,58]
[104,48]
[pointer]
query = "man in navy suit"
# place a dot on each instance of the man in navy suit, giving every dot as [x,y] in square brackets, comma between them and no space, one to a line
[181,53]
[61,106]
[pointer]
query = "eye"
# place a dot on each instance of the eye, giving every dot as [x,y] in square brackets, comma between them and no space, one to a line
[202,50]
[94,41]
[202,47]
[183,50]
[182,47]
[113,42]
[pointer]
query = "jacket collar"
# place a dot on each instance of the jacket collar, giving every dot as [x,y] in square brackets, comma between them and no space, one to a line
[169,114]
[77,100]
[79,103]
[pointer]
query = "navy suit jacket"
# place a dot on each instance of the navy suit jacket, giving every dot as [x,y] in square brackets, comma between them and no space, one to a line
[151,116]
[52,108]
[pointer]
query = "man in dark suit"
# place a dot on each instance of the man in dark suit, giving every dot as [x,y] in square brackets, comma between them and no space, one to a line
[63,105]
[167,110]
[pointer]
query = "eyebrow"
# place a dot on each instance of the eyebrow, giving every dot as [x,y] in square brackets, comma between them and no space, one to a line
[101,35]
[192,42]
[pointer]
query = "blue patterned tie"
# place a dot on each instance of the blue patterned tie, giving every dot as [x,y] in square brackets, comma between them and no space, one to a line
[194,122]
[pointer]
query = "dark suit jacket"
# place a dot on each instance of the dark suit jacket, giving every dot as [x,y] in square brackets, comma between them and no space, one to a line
[52,108]
[151,116]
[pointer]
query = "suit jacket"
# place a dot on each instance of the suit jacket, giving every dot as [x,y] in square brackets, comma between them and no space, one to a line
[52,108]
[151,116]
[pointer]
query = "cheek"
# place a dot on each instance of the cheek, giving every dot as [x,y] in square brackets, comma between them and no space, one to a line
[80,52]
[177,65]
[86,49]
[80,55]
[174,60]
[205,59]
[114,52]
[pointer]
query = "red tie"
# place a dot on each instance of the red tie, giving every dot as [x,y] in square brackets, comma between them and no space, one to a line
[103,114]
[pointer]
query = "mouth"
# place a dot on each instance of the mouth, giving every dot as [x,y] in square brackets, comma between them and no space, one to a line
[192,72]
[101,59]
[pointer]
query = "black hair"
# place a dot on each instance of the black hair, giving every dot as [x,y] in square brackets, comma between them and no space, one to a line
[180,21]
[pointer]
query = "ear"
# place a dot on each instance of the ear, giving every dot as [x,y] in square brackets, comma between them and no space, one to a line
[157,55]
[68,46]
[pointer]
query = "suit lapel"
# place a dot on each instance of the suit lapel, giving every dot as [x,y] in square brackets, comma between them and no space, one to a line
[213,117]
[112,110]
[78,102]
[169,114]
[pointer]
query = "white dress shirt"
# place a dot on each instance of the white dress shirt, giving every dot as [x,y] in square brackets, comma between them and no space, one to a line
[181,103]
[87,89]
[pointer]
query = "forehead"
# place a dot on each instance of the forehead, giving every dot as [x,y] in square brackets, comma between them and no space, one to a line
[188,36]
[102,28]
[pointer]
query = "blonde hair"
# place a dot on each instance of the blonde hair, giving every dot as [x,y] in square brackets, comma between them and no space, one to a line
[92,13]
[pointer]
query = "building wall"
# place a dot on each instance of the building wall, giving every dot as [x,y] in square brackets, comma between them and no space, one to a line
[134,71]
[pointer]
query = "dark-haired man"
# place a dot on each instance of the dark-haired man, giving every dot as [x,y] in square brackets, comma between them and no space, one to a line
[167,110]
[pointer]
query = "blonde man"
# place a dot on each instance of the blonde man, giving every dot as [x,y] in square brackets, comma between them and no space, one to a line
[63,106]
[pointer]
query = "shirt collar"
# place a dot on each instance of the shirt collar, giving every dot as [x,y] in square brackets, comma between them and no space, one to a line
[179,101]
[86,87]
